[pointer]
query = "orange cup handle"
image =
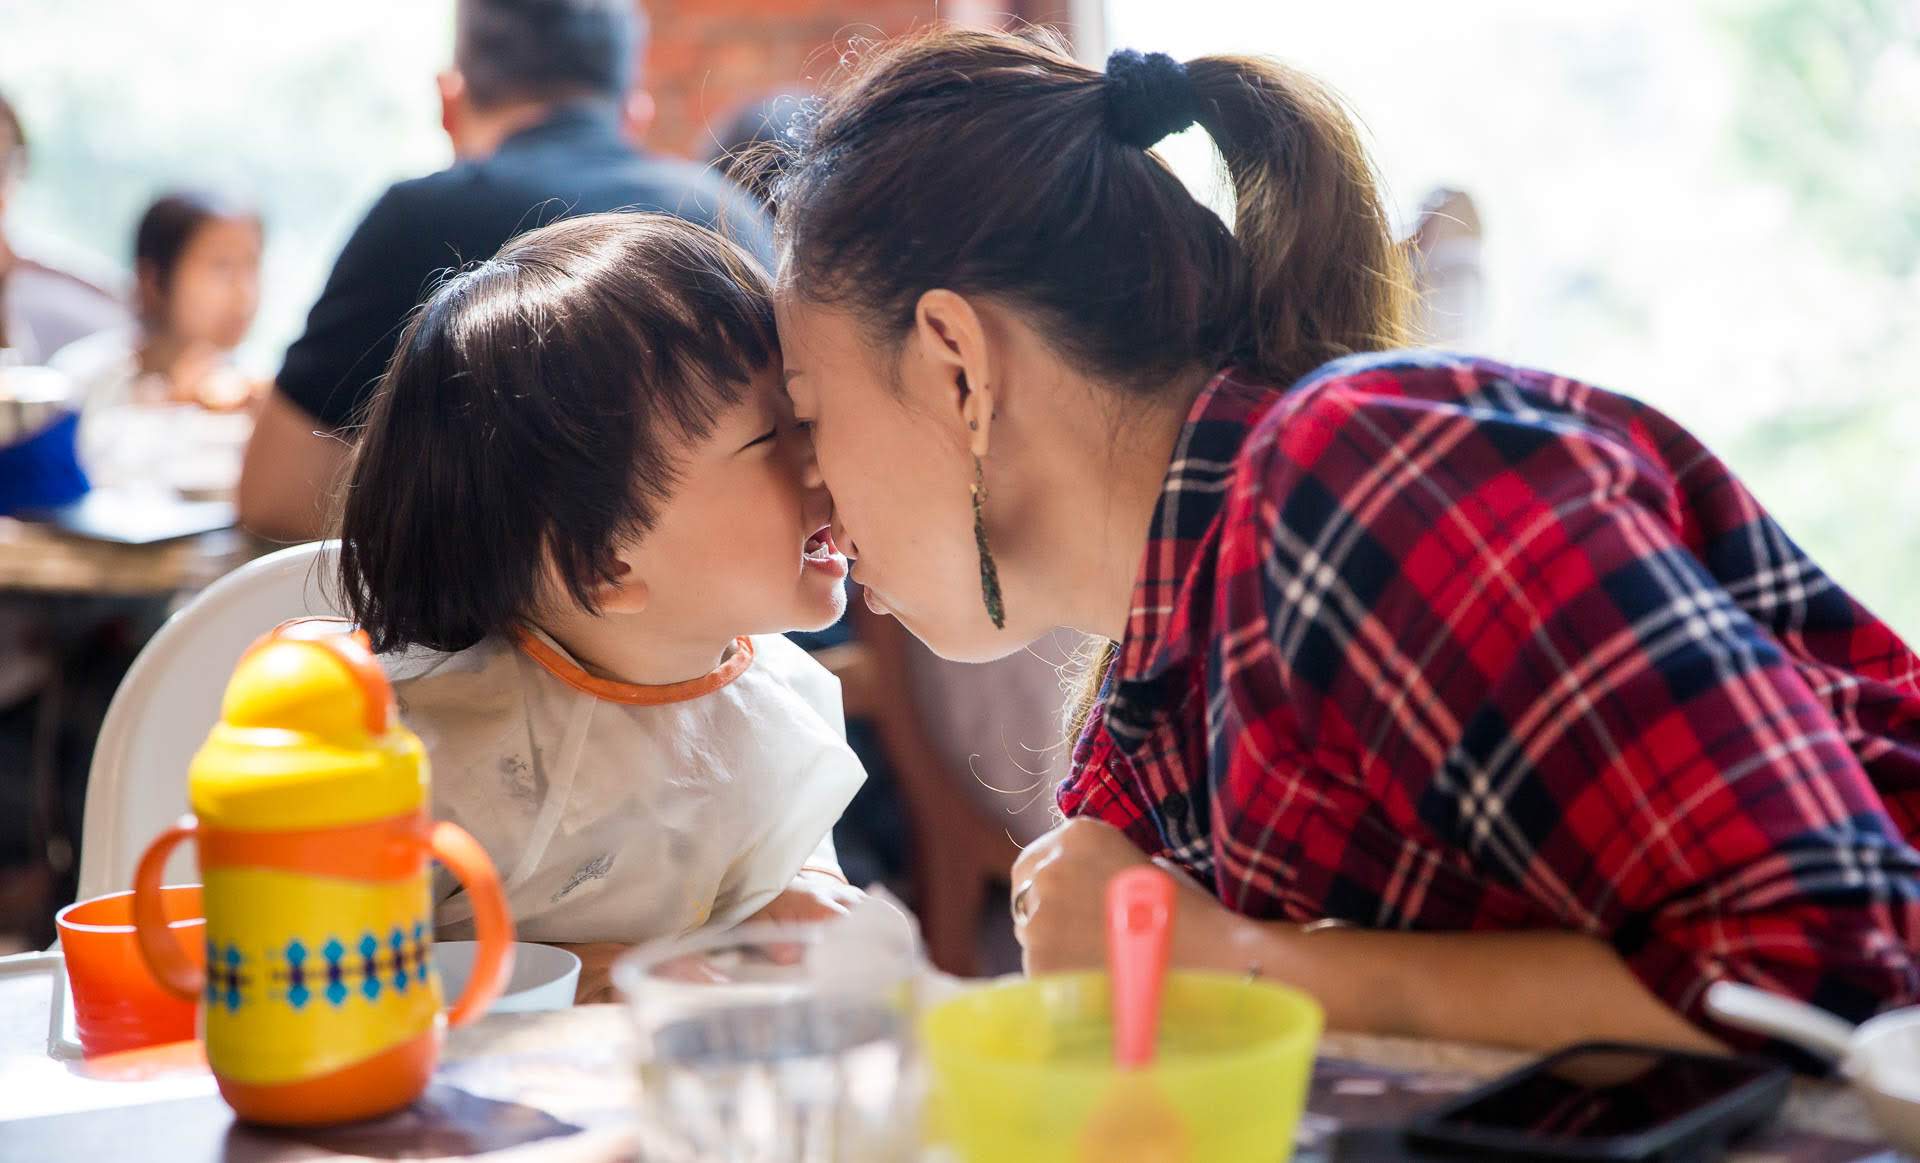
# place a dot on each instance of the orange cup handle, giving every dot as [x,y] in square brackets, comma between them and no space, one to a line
[493,926]
[168,962]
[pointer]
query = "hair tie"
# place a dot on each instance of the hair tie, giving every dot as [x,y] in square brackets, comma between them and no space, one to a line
[1148,97]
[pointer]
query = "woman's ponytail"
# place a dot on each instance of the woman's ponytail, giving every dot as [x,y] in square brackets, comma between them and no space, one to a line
[1325,276]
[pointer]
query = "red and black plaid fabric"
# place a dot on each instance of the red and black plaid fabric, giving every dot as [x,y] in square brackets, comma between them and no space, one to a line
[1433,643]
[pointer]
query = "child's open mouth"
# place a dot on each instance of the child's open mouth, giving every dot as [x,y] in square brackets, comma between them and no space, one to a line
[821,553]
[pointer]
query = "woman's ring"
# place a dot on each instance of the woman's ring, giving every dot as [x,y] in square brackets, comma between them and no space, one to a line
[1023,903]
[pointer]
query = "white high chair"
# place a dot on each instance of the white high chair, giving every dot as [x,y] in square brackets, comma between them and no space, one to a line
[170,698]
[158,718]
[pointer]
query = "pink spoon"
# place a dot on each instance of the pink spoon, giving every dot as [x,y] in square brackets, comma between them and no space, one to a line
[1139,930]
[1135,1123]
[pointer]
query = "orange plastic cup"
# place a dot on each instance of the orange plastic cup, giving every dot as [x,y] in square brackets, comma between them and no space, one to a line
[117,1003]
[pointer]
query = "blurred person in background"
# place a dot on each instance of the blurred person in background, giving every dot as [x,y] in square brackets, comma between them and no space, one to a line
[542,106]
[144,389]
[41,308]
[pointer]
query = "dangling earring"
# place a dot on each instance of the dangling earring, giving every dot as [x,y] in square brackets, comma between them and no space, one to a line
[989,573]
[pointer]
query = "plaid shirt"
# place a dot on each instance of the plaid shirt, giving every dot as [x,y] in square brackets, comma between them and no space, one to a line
[1437,644]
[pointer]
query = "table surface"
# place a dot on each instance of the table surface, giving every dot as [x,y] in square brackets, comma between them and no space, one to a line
[39,559]
[556,1087]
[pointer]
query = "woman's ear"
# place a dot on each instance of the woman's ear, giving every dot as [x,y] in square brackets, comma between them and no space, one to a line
[954,339]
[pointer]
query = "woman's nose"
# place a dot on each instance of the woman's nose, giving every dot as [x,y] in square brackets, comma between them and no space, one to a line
[842,540]
[810,474]
[817,500]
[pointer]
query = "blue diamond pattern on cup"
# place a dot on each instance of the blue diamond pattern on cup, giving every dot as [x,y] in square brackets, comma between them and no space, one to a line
[370,967]
[419,951]
[333,951]
[297,992]
[233,978]
[397,942]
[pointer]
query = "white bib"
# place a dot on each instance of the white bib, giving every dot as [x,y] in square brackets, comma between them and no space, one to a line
[620,813]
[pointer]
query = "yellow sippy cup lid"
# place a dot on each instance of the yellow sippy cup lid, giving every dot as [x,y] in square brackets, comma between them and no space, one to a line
[307,737]
[313,676]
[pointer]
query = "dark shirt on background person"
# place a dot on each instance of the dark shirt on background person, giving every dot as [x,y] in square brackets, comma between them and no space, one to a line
[575,162]
[541,106]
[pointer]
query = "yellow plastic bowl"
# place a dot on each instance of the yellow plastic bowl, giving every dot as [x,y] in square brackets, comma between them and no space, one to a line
[1021,1070]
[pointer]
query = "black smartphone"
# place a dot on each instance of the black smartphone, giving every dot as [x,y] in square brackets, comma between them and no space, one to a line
[1609,1101]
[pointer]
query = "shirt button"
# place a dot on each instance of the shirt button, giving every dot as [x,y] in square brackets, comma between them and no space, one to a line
[1174,807]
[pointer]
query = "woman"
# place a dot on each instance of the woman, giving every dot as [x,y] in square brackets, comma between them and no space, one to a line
[197,286]
[1505,676]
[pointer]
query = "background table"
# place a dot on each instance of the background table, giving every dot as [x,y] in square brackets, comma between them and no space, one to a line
[56,581]
[39,559]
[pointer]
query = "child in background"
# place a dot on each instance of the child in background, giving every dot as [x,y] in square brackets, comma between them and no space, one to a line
[578,520]
[146,391]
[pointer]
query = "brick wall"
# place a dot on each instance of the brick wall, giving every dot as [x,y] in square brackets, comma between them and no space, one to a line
[708,59]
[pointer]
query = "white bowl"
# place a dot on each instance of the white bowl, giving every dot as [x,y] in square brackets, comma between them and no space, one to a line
[1881,1057]
[1885,1063]
[543,978]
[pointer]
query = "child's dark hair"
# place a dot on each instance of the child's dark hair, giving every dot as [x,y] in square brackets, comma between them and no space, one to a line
[990,163]
[530,417]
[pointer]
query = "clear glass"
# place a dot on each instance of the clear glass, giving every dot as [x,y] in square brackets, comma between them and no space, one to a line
[775,1044]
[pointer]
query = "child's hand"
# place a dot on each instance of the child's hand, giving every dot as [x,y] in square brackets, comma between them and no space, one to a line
[812,896]
[596,968]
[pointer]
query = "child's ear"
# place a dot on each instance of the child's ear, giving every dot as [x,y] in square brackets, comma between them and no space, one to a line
[626,594]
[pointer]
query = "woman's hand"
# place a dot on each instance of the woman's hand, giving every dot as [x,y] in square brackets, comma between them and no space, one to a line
[1498,988]
[1060,904]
